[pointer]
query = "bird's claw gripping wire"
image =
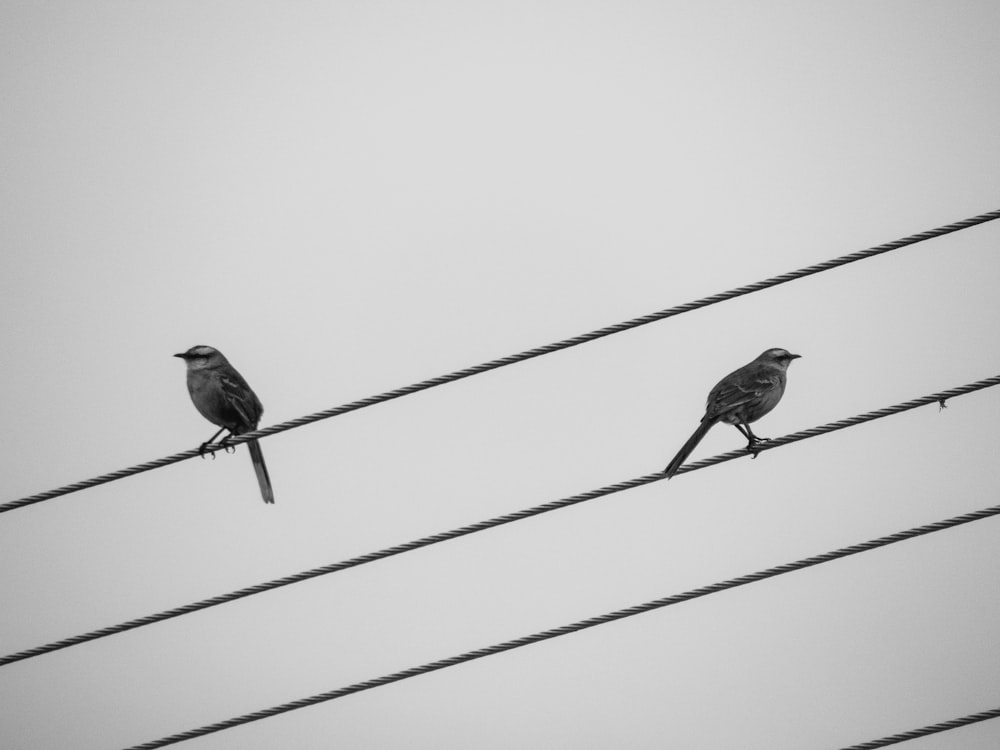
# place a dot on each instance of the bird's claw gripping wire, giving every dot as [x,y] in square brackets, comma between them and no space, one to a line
[942,404]
[203,448]
[224,444]
[752,445]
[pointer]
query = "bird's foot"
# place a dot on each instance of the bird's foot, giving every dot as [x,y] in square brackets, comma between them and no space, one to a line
[753,445]
[203,449]
[226,446]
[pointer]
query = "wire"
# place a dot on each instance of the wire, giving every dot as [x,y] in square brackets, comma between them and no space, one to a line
[924,731]
[576,626]
[484,525]
[938,398]
[513,358]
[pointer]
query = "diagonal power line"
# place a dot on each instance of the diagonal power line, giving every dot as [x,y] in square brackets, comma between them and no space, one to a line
[521,515]
[514,358]
[575,627]
[924,731]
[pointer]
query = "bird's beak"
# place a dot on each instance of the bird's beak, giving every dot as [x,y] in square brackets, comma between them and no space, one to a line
[790,356]
[184,357]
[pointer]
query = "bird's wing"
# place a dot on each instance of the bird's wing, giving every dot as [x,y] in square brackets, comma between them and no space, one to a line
[241,400]
[739,388]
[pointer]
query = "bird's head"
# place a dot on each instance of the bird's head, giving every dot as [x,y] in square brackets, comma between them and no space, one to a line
[200,357]
[778,357]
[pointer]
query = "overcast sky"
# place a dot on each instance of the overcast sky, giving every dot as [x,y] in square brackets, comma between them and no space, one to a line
[347,197]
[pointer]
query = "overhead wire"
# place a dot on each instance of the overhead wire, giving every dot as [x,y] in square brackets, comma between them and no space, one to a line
[574,627]
[520,515]
[510,359]
[583,624]
[924,731]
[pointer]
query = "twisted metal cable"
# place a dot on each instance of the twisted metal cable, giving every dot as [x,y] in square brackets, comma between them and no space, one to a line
[934,398]
[924,731]
[484,525]
[577,626]
[330,568]
[514,358]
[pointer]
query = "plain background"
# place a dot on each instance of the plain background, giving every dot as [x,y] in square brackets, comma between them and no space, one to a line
[347,197]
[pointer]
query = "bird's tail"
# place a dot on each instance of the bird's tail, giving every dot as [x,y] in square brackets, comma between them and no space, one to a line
[260,468]
[685,451]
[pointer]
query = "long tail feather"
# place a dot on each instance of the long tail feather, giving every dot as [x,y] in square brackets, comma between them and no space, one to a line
[260,468]
[690,445]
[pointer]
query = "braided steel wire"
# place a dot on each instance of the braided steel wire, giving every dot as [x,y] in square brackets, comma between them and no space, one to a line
[331,568]
[934,398]
[487,524]
[577,626]
[514,358]
[924,731]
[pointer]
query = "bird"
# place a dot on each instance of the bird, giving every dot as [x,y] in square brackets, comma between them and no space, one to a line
[225,399]
[743,396]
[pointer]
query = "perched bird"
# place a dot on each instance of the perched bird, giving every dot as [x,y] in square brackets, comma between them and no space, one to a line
[223,397]
[742,397]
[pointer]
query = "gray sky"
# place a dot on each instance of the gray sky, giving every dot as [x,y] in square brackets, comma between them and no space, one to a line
[346,197]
